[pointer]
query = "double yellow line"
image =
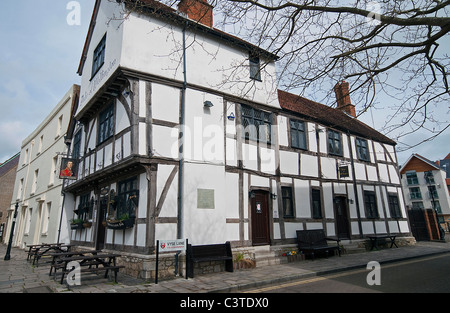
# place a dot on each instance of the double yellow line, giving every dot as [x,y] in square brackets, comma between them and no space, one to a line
[332,276]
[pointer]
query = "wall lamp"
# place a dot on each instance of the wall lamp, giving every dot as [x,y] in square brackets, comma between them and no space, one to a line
[273,196]
[208,104]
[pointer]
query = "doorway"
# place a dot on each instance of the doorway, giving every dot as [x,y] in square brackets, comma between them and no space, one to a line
[341,214]
[418,224]
[101,229]
[260,218]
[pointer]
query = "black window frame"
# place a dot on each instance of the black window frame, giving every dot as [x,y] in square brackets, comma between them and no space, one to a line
[98,58]
[362,149]
[287,199]
[127,198]
[370,204]
[298,134]
[334,137]
[256,118]
[429,177]
[76,149]
[86,207]
[255,67]
[416,192]
[394,206]
[316,203]
[105,124]
[412,178]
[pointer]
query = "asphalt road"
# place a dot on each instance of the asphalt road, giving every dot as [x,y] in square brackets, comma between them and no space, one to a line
[422,275]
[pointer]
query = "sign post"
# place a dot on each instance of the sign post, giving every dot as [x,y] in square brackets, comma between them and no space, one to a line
[168,246]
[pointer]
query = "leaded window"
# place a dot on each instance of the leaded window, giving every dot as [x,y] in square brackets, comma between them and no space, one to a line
[99,56]
[362,149]
[370,203]
[288,208]
[394,206]
[257,124]
[334,142]
[106,124]
[127,198]
[316,203]
[298,134]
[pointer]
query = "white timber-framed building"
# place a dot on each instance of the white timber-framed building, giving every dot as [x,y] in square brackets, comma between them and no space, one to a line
[254,163]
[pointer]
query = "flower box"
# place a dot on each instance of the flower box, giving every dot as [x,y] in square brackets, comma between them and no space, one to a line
[122,224]
[76,225]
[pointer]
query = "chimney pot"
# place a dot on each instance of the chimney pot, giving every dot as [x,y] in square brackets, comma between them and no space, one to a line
[343,98]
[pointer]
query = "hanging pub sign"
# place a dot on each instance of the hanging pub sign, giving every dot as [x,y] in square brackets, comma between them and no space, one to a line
[343,171]
[69,168]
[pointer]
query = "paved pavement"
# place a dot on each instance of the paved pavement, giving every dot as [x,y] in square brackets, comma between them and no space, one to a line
[19,276]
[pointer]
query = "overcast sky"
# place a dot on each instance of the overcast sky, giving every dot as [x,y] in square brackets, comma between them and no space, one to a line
[40,53]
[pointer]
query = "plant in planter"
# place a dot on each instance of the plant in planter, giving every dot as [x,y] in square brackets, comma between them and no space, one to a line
[241,262]
[293,255]
[76,223]
[123,222]
[87,224]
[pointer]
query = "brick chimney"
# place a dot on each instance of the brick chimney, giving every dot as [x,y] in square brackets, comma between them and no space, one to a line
[343,98]
[197,10]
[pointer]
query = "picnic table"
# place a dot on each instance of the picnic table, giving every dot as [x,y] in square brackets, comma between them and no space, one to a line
[57,263]
[36,252]
[86,263]
[374,239]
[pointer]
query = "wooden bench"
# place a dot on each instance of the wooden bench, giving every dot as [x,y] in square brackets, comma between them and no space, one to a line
[34,249]
[57,263]
[376,239]
[36,252]
[314,241]
[204,253]
[86,262]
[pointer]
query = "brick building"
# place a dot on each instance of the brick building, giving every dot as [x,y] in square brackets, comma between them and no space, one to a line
[7,178]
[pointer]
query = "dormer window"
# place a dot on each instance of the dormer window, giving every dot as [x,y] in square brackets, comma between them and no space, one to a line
[99,56]
[255,67]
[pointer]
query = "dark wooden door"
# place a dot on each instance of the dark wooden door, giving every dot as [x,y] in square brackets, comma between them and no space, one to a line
[418,224]
[341,213]
[101,229]
[260,218]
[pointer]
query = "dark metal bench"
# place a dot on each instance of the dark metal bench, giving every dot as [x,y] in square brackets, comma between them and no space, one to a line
[204,253]
[314,241]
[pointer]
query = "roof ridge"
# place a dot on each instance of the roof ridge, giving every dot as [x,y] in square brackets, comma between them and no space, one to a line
[330,116]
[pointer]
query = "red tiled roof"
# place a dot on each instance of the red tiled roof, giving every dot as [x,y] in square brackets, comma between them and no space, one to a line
[329,116]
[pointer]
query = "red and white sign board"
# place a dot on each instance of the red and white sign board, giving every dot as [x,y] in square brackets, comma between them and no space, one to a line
[172,245]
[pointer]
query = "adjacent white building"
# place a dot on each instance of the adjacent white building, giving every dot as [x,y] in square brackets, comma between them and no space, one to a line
[37,187]
[182,133]
[424,186]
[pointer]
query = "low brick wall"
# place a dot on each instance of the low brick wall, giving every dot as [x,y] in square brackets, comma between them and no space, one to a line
[144,267]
